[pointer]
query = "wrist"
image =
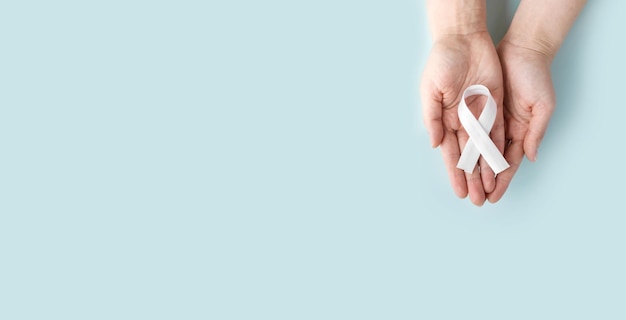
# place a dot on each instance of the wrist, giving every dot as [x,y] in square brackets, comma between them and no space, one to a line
[537,44]
[460,29]
[470,43]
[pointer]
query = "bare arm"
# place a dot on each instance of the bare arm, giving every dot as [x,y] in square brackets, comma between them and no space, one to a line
[542,25]
[456,17]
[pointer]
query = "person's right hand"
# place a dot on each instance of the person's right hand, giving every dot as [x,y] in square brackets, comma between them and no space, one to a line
[529,102]
[455,63]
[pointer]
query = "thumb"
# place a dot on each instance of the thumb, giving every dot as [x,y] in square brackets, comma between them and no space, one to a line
[432,112]
[537,127]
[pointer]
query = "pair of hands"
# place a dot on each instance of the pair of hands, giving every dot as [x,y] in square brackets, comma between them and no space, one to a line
[520,81]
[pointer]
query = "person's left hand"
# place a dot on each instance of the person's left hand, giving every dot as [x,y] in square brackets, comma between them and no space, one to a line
[455,63]
[529,102]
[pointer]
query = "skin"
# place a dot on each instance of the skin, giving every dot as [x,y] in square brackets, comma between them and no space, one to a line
[526,52]
[463,54]
[517,74]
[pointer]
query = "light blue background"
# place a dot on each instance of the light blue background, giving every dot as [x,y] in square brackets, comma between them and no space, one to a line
[266,160]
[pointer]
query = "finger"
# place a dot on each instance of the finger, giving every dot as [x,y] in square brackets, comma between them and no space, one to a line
[497,135]
[475,187]
[536,130]
[450,151]
[432,113]
[514,153]
[487,175]
[498,131]
[474,182]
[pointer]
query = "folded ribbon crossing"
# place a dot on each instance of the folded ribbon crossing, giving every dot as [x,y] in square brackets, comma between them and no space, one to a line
[478,130]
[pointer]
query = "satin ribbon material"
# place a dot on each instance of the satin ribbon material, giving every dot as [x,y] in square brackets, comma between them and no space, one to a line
[479,142]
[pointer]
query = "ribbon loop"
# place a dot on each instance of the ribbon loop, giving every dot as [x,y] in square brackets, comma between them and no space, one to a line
[479,142]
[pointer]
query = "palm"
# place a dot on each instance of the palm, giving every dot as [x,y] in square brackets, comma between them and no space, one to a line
[528,105]
[454,64]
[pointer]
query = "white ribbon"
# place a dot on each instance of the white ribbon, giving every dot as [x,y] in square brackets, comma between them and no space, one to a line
[478,131]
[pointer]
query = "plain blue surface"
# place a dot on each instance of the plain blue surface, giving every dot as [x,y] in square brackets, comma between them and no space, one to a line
[266,160]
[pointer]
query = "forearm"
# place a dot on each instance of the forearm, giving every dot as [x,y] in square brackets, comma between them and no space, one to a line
[542,25]
[456,17]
